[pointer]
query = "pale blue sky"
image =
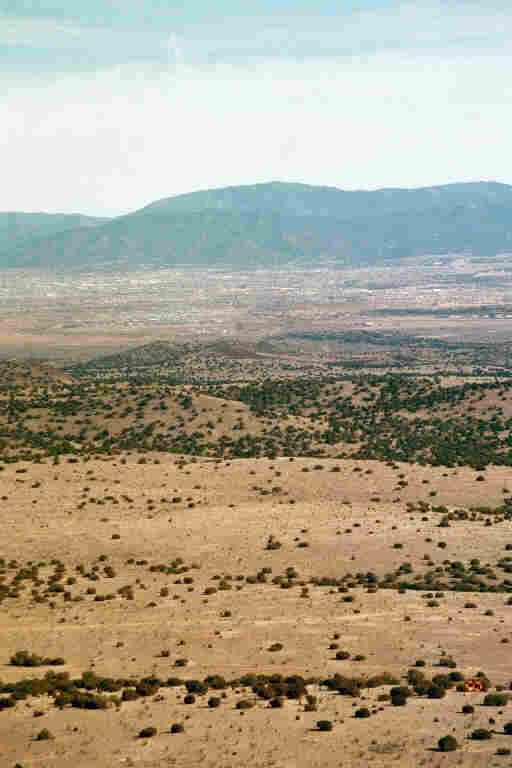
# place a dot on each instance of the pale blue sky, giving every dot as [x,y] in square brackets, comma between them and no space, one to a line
[109,104]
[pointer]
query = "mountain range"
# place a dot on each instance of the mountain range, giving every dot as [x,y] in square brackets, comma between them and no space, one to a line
[270,224]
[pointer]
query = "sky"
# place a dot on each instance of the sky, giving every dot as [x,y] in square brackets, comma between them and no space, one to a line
[108,105]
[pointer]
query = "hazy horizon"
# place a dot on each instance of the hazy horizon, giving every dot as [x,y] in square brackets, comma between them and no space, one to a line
[109,106]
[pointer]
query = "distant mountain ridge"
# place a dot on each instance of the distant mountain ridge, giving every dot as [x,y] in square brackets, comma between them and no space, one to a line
[16,227]
[272,224]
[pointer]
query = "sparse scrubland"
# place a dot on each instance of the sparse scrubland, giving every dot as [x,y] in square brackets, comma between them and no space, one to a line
[263,572]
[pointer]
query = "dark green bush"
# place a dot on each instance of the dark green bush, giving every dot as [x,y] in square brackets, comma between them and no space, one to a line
[147,733]
[447,744]
[324,725]
[436,692]
[495,700]
[481,734]
[44,735]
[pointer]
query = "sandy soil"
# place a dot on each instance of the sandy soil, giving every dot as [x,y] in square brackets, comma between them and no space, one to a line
[220,526]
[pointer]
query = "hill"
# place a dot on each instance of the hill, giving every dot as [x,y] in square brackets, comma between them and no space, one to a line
[18,228]
[279,224]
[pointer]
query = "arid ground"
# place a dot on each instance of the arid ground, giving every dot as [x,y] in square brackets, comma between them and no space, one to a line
[335,524]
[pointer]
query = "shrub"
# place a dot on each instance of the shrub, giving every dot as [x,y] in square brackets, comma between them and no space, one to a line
[44,735]
[129,694]
[495,700]
[447,744]
[342,655]
[436,692]
[244,704]
[468,709]
[399,700]
[362,712]
[177,728]
[508,729]
[147,733]
[189,698]
[481,734]
[311,702]
[196,686]
[276,703]
[276,647]
[324,725]
[214,701]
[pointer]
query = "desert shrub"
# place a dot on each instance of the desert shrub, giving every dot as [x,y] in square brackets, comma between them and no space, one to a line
[214,701]
[415,676]
[216,681]
[196,686]
[400,690]
[26,659]
[436,692]
[189,698]
[362,712]
[342,655]
[177,728]
[444,681]
[44,735]
[311,703]
[277,703]
[147,733]
[147,687]
[421,687]
[324,725]
[244,704]
[129,694]
[495,700]
[481,734]
[399,700]
[468,709]
[447,744]
[275,647]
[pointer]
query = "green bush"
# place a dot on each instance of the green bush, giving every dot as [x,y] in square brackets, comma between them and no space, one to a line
[447,744]
[147,733]
[508,728]
[44,735]
[495,700]
[362,712]
[324,725]
[481,734]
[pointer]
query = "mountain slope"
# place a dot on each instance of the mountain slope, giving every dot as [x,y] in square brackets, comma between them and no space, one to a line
[16,228]
[306,200]
[283,224]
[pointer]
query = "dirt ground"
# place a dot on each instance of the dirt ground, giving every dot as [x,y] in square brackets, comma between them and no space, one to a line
[218,517]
